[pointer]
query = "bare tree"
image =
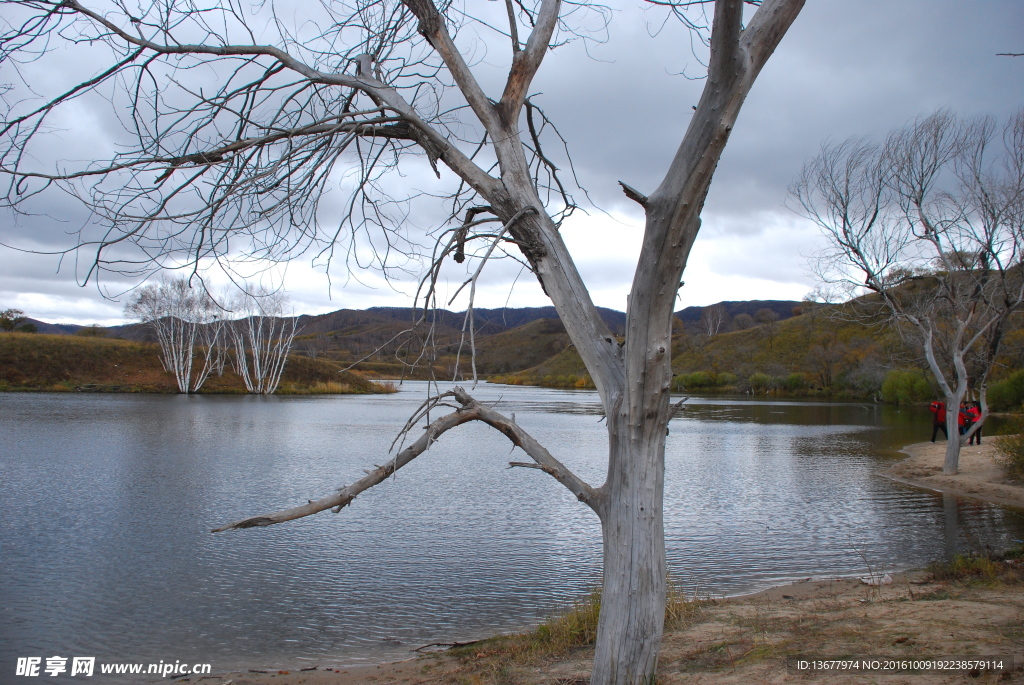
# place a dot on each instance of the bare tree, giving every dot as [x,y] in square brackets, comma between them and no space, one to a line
[742,322]
[262,339]
[932,223]
[769,321]
[712,319]
[182,318]
[313,346]
[242,150]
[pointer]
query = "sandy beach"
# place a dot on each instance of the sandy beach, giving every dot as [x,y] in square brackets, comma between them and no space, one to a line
[980,477]
[919,615]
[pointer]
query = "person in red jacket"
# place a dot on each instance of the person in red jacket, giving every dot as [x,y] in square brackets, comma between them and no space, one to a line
[973,416]
[938,410]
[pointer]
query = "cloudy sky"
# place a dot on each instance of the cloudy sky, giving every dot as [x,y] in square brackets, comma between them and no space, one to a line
[845,69]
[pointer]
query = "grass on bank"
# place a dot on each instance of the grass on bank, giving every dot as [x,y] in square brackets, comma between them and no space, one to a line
[66,363]
[495,659]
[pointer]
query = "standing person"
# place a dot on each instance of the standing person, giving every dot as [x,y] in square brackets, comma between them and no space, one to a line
[973,416]
[938,410]
[962,419]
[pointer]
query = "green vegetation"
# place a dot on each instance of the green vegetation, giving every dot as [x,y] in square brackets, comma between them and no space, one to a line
[1007,394]
[986,569]
[705,381]
[1011,451]
[906,386]
[568,631]
[64,363]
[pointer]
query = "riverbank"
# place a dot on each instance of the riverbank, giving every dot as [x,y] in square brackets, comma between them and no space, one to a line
[749,639]
[34,362]
[980,476]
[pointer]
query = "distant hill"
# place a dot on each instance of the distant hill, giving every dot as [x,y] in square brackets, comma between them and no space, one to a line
[489,321]
[784,308]
[54,328]
[530,345]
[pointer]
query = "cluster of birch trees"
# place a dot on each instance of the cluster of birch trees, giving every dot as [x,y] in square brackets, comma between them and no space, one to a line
[198,336]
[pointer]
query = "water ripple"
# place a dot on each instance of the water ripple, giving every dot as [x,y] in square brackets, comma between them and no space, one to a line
[104,549]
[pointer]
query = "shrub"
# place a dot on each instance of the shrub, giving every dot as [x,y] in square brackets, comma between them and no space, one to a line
[698,379]
[1011,451]
[903,386]
[794,382]
[965,567]
[1007,394]
[760,382]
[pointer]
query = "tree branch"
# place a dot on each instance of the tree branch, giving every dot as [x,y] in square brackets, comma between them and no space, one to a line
[470,410]
[634,194]
[433,28]
[526,62]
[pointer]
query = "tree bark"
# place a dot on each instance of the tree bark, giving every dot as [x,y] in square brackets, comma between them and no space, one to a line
[632,524]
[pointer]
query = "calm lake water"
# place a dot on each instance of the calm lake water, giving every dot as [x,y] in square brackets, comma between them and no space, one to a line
[108,500]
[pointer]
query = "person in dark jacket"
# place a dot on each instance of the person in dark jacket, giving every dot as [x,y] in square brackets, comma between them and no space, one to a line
[938,410]
[973,416]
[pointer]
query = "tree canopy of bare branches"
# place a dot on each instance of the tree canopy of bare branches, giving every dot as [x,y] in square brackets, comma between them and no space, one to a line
[237,121]
[930,222]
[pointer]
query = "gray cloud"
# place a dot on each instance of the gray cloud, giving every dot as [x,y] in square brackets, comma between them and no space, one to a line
[845,69]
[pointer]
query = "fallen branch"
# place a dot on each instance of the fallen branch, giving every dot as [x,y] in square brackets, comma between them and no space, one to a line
[470,410]
[449,645]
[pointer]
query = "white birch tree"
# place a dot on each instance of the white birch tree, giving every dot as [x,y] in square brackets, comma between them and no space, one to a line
[182,317]
[237,127]
[262,338]
[932,222]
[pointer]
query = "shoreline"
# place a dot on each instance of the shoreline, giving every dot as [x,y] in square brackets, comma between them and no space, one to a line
[980,477]
[748,638]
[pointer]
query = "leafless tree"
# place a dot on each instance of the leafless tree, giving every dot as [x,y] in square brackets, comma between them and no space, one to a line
[826,359]
[769,321]
[262,337]
[183,317]
[712,319]
[313,346]
[235,129]
[742,322]
[931,223]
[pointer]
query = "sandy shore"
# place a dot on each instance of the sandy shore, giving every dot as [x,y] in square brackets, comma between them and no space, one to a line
[980,477]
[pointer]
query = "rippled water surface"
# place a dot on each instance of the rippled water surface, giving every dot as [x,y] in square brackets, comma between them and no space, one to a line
[108,500]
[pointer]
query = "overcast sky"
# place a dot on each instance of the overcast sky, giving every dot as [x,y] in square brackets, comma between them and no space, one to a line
[846,68]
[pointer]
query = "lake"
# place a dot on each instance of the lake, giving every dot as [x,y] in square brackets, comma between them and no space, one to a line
[105,547]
